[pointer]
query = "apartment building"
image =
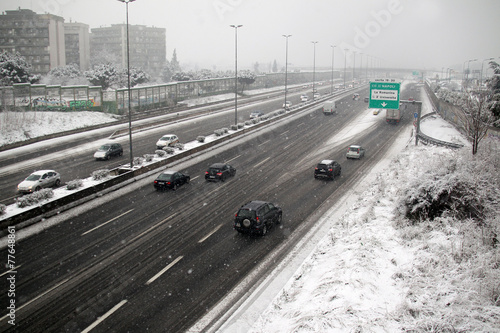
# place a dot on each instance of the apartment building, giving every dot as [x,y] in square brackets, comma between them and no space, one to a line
[37,37]
[77,43]
[147,45]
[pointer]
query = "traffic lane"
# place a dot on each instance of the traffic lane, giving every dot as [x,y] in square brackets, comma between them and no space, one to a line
[287,138]
[220,266]
[76,161]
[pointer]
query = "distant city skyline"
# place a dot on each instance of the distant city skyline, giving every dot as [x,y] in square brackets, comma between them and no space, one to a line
[425,34]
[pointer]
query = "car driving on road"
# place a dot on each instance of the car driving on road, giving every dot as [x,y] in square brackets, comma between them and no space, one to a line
[167,140]
[38,180]
[219,171]
[106,151]
[170,180]
[327,169]
[257,217]
[355,151]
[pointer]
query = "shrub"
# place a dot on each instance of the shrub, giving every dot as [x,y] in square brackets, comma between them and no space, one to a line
[234,127]
[219,132]
[148,157]
[169,150]
[2,209]
[179,146]
[255,120]
[226,130]
[200,138]
[34,198]
[101,174]
[248,122]
[74,184]
[160,153]
[138,160]
[241,125]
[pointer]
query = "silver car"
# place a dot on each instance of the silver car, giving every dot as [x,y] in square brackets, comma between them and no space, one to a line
[38,180]
[355,151]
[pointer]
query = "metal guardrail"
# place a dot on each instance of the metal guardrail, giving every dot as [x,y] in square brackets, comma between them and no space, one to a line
[429,140]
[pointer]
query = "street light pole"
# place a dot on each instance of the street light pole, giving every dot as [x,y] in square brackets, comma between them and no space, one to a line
[333,59]
[353,66]
[235,71]
[482,66]
[286,66]
[314,66]
[128,84]
[345,62]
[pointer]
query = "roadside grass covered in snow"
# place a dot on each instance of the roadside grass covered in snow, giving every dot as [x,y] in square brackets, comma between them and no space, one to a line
[17,126]
[379,271]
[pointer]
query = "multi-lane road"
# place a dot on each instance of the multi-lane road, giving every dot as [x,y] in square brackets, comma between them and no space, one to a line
[139,260]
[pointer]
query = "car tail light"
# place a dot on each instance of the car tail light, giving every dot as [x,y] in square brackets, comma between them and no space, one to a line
[219,173]
[316,168]
[168,183]
[257,218]
[330,169]
[156,182]
[206,172]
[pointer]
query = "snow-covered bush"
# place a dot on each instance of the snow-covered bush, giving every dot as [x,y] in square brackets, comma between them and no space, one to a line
[241,125]
[219,132]
[234,127]
[226,130]
[2,209]
[34,198]
[255,120]
[457,186]
[148,157]
[74,184]
[200,138]
[138,160]
[160,153]
[179,146]
[100,174]
[169,150]
[248,122]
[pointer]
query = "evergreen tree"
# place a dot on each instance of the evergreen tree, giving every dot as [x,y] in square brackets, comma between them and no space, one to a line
[176,67]
[15,69]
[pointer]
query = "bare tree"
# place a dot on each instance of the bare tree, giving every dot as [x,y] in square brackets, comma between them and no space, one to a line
[477,116]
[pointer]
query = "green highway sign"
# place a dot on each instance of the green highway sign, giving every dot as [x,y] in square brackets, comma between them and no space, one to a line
[384,95]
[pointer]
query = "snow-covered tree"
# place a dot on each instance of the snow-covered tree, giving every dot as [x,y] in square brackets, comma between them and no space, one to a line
[104,75]
[65,75]
[275,66]
[245,78]
[176,67]
[494,86]
[182,76]
[15,69]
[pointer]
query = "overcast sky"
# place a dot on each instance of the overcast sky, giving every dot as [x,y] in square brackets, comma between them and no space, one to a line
[414,34]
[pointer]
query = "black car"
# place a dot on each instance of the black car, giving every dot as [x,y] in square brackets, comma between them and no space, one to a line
[219,171]
[106,151]
[257,217]
[170,180]
[327,169]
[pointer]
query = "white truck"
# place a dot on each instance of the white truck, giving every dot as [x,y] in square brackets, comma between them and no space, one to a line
[329,107]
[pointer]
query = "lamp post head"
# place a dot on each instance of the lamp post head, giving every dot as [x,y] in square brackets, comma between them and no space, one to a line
[126,1]
[233,25]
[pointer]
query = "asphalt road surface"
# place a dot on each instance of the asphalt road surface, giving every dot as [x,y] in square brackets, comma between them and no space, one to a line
[142,260]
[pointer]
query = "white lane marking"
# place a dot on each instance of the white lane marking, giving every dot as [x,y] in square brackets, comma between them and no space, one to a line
[164,270]
[210,234]
[190,179]
[11,271]
[114,218]
[39,296]
[283,133]
[262,162]
[233,158]
[263,143]
[106,315]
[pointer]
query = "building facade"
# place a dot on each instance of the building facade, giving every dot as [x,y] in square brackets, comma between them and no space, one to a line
[77,42]
[39,38]
[147,46]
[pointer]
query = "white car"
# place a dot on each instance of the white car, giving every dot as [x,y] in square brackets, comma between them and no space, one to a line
[38,180]
[355,151]
[287,105]
[304,98]
[167,140]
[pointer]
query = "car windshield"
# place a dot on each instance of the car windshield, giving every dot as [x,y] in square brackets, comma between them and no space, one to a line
[354,149]
[246,213]
[105,147]
[33,177]
[214,170]
[166,138]
[322,166]
[165,176]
